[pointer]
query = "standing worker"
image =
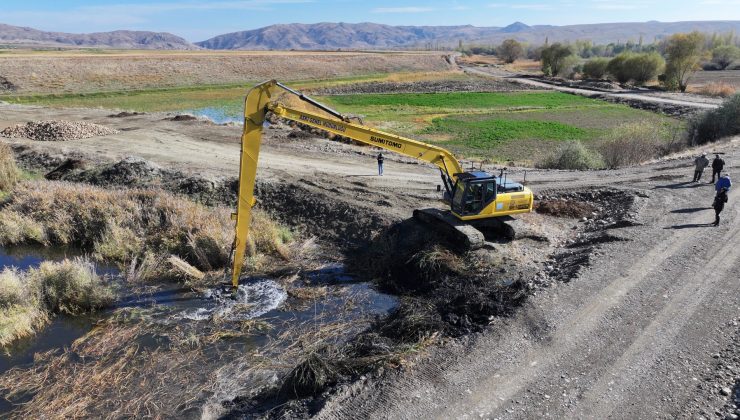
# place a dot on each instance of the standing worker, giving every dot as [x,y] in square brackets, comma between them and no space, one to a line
[719,204]
[700,163]
[717,165]
[380,164]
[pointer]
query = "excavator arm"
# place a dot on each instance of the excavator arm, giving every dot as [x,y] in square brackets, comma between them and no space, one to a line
[479,196]
[260,100]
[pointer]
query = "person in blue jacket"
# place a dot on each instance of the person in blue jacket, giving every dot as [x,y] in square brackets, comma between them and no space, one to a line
[723,182]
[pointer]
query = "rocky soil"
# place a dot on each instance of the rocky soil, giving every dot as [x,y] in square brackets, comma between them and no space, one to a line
[57,130]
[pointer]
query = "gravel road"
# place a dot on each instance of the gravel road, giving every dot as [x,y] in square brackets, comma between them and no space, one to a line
[635,335]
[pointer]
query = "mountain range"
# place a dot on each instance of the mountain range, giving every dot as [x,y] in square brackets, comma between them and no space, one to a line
[333,36]
[16,35]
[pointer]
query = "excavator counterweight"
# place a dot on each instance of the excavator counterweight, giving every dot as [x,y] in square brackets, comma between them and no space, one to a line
[476,198]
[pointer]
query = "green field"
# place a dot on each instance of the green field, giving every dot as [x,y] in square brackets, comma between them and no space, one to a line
[511,126]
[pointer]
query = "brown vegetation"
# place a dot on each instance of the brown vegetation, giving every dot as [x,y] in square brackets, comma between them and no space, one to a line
[715,89]
[66,72]
[120,225]
[28,298]
[9,173]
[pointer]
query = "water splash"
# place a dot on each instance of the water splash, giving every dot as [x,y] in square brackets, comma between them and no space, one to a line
[251,300]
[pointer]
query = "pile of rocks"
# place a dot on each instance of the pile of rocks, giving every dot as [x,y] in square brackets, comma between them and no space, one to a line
[57,130]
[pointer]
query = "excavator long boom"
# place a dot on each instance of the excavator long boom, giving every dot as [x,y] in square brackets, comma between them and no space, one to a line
[260,100]
[478,196]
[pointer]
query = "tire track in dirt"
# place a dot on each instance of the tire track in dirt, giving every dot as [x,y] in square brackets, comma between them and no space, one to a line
[669,322]
[566,339]
[512,366]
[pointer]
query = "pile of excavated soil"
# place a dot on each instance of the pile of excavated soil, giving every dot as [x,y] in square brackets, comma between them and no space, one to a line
[57,130]
[430,86]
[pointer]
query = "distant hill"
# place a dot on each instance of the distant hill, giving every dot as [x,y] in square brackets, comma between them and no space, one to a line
[16,35]
[331,36]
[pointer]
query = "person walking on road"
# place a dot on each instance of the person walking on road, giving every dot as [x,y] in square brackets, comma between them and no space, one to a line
[717,165]
[699,164]
[723,182]
[719,204]
[380,164]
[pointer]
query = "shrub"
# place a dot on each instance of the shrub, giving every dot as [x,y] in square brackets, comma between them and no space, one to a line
[643,68]
[554,58]
[595,68]
[716,89]
[632,143]
[724,55]
[9,173]
[617,68]
[717,123]
[572,155]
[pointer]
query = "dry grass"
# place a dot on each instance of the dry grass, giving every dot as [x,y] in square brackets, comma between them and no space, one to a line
[124,225]
[134,366]
[65,73]
[28,298]
[9,173]
[635,143]
[715,89]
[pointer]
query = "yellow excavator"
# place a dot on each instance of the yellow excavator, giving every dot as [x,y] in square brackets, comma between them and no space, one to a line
[477,199]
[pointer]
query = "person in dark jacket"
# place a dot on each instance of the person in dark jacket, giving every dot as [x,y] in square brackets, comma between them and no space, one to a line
[719,204]
[717,165]
[700,163]
[380,164]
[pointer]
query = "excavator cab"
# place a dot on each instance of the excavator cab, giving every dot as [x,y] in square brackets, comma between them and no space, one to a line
[474,192]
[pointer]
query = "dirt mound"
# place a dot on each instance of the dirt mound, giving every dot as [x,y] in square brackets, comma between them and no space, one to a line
[432,86]
[182,117]
[564,208]
[57,130]
[126,114]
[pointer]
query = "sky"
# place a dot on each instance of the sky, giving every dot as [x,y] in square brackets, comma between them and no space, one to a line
[200,20]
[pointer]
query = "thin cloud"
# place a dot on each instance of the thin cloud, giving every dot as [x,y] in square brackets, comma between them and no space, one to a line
[410,9]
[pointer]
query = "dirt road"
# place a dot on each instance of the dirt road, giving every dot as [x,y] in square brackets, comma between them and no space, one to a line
[633,336]
[671,99]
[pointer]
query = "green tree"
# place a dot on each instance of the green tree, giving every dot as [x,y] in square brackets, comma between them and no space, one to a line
[595,68]
[683,52]
[554,59]
[724,55]
[510,50]
[643,68]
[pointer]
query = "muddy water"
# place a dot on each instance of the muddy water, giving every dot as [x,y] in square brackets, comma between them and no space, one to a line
[171,306]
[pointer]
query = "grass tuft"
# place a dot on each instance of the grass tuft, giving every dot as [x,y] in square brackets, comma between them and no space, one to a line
[28,298]
[9,173]
[71,286]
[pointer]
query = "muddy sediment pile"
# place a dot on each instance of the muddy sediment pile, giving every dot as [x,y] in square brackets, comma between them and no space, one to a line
[57,130]
[432,86]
